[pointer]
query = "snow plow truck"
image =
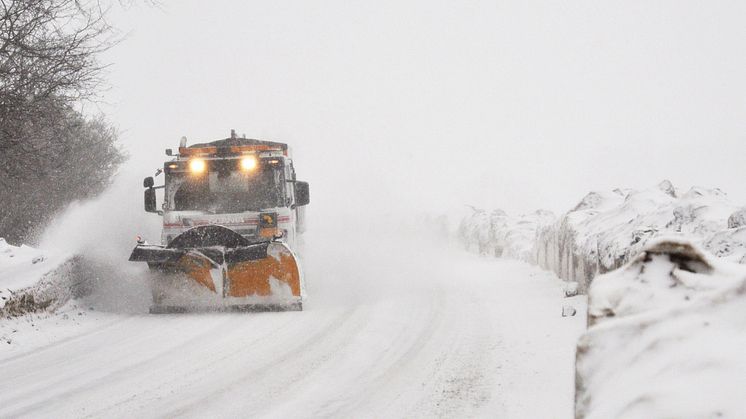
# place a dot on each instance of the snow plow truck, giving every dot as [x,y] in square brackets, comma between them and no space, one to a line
[232,211]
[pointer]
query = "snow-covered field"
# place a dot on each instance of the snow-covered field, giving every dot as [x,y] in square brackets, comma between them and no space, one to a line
[397,325]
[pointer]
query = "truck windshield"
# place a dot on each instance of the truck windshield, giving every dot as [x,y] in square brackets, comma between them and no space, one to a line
[230,192]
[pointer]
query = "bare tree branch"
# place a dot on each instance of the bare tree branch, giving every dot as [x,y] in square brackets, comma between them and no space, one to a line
[49,153]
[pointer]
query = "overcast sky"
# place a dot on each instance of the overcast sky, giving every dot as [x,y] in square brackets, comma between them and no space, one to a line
[426,105]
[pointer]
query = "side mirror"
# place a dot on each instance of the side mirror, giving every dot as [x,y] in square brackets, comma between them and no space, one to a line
[302,195]
[150,203]
[148,182]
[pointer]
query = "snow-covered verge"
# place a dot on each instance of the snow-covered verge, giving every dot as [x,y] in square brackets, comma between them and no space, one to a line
[666,337]
[32,280]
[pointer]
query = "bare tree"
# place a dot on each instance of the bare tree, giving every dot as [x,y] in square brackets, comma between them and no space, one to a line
[48,64]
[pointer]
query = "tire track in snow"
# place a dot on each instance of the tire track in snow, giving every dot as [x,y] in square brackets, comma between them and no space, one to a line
[284,387]
[202,369]
[62,342]
[253,374]
[331,367]
[462,375]
[212,369]
[368,388]
[449,368]
[98,380]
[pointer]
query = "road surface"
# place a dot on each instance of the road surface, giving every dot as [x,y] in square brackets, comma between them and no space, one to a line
[394,327]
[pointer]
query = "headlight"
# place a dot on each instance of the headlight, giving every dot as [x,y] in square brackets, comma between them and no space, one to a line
[197,165]
[249,163]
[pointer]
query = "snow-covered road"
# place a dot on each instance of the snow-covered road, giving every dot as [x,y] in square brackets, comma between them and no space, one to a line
[394,327]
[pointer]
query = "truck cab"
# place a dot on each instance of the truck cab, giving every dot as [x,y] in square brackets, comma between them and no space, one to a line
[246,185]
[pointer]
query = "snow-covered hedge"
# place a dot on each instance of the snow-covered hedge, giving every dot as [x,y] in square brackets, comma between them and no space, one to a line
[499,234]
[666,338]
[607,229]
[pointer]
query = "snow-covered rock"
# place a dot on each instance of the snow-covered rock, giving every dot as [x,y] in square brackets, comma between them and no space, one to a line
[666,337]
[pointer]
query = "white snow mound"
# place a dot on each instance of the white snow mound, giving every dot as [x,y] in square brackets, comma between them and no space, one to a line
[666,338]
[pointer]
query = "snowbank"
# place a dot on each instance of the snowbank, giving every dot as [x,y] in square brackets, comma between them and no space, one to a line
[607,229]
[666,337]
[32,280]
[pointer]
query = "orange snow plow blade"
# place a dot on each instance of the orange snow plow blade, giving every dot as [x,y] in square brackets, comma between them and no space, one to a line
[241,274]
[247,278]
[255,277]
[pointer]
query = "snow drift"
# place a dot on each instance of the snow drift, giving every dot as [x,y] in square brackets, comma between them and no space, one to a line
[666,337]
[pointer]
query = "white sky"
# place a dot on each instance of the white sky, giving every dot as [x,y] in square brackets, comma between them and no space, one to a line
[431,104]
